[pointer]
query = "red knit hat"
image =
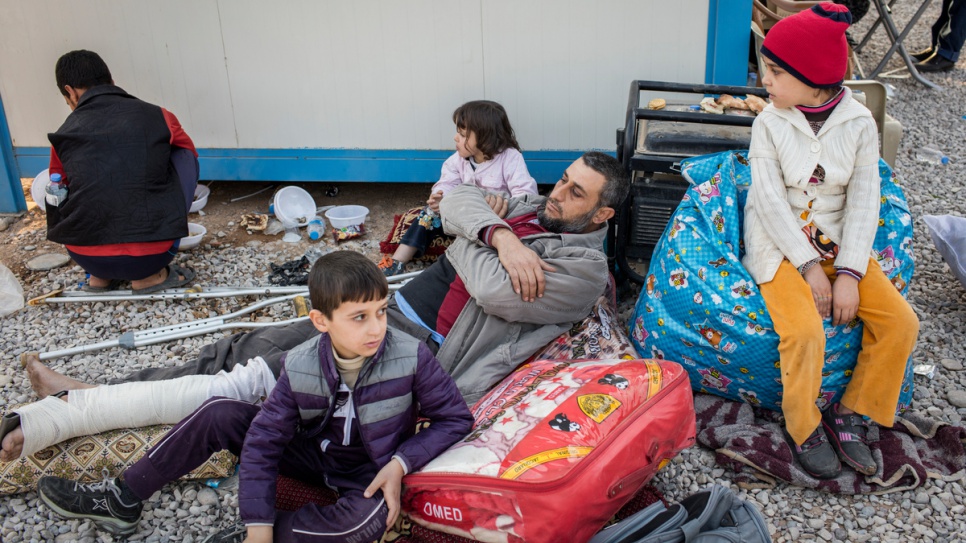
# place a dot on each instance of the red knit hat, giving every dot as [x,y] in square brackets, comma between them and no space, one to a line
[811,44]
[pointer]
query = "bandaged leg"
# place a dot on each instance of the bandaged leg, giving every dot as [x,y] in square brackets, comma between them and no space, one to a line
[249,383]
[95,410]
[133,405]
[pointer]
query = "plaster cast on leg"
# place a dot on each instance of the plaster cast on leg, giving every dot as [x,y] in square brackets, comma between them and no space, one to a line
[249,383]
[137,404]
[94,410]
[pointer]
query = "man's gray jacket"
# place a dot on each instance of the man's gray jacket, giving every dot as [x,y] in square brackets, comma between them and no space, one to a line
[497,330]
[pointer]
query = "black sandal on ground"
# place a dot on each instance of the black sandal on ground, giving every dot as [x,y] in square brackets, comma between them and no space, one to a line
[173,280]
[113,284]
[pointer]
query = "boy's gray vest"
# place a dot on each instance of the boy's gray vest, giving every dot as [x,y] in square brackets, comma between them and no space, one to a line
[399,358]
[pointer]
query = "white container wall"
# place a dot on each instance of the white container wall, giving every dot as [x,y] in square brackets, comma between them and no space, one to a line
[359,74]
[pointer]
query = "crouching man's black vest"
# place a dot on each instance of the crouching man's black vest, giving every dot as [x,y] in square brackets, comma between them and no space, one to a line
[116,152]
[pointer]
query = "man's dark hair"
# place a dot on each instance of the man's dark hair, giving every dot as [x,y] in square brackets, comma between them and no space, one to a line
[488,120]
[617,183]
[345,276]
[81,69]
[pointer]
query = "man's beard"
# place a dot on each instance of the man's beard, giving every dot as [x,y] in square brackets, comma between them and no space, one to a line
[576,225]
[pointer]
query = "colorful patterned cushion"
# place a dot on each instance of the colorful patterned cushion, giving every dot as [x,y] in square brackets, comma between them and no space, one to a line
[84,459]
[600,336]
[701,308]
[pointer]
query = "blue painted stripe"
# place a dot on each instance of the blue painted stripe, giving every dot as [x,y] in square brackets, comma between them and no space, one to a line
[327,165]
[729,32]
[31,160]
[11,191]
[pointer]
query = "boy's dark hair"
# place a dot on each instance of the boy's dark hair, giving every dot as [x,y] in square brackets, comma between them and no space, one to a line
[81,69]
[345,276]
[617,183]
[488,120]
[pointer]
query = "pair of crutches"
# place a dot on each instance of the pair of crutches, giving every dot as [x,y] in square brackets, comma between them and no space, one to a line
[161,334]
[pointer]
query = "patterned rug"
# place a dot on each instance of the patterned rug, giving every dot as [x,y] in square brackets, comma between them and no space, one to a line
[84,459]
[292,494]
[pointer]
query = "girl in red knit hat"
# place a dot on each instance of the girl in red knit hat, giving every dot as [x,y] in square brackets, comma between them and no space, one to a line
[810,220]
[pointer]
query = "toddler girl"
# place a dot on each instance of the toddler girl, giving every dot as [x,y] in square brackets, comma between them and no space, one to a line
[810,221]
[487,155]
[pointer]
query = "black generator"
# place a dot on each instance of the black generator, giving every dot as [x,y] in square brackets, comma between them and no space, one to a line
[651,146]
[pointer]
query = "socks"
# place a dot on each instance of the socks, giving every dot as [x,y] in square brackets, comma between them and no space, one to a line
[127,497]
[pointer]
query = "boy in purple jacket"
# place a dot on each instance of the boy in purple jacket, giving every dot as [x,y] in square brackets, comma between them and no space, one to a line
[343,414]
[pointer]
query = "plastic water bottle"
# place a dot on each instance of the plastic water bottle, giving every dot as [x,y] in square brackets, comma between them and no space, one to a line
[315,228]
[314,253]
[56,191]
[228,483]
[931,155]
[292,233]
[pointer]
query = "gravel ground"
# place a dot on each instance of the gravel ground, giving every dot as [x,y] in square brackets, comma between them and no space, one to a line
[933,512]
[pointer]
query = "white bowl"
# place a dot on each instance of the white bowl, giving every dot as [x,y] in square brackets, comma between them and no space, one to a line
[294,206]
[193,239]
[38,189]
[201,199]
[342,216]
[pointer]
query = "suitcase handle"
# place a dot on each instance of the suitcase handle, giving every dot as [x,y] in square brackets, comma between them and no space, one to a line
[631,481]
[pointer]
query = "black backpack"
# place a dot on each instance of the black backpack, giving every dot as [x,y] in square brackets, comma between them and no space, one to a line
[715,515]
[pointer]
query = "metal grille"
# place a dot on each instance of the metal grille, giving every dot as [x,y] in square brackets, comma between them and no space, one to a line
[649,219]
[653,201]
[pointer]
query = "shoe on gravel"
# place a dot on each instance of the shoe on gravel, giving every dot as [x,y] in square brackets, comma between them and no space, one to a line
[847,434]
[816,455]
[110,505]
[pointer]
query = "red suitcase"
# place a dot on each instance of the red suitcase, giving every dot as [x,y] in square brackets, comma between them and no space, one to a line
[557,448]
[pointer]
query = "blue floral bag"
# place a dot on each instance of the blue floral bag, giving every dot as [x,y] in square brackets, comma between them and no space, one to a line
[701,308]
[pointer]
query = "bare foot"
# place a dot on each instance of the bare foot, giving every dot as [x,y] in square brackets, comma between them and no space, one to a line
[151,280]
[12,445]
[46,381]
[97,282]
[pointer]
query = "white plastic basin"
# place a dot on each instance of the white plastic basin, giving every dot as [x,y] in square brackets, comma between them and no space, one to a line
[342,216]
[195,233]
[38,189]
[294,206]
[201,199]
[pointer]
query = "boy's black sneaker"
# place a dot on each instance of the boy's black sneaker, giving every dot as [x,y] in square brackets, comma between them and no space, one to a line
[112,508]
[816,456]
[847,434]
[235,534]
